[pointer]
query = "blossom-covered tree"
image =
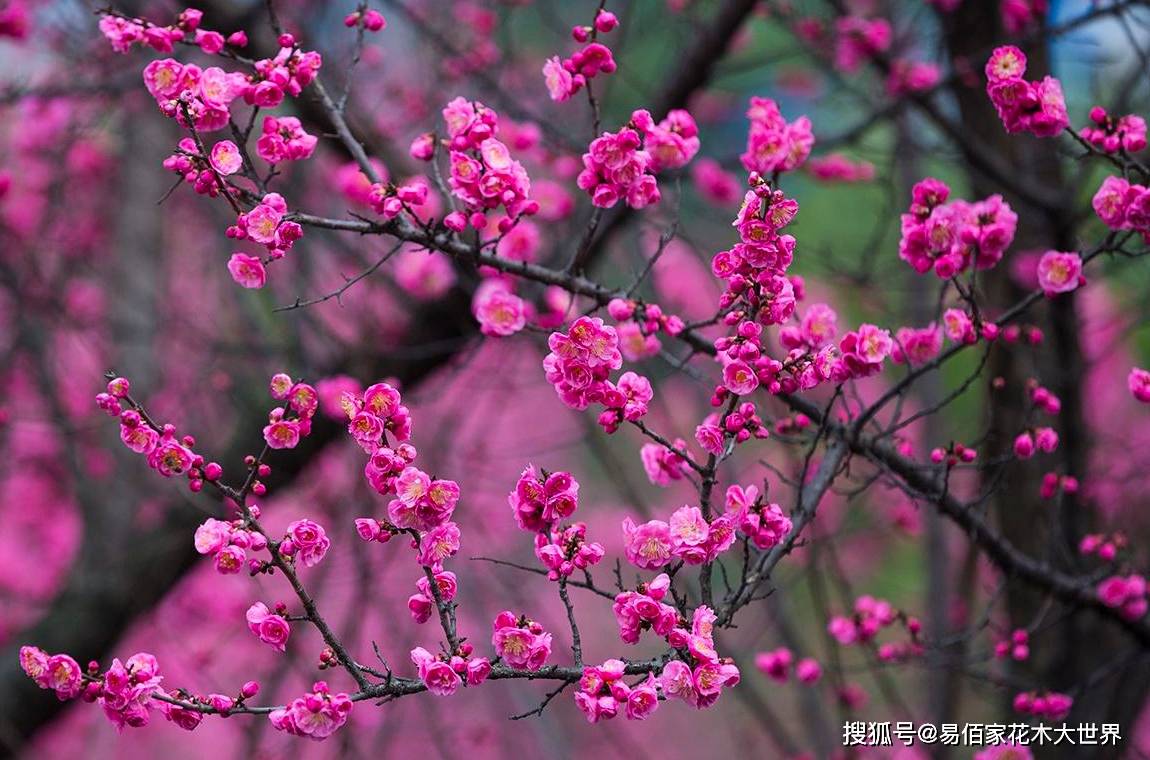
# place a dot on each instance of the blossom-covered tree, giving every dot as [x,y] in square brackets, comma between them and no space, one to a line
[768,366]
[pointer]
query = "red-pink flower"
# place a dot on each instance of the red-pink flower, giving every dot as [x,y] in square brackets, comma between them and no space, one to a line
[247,271]
[225,158]
[647,546]
[436,674]
[1138,381]
[316,715]
[499,312]
[1060,272]
[272,629]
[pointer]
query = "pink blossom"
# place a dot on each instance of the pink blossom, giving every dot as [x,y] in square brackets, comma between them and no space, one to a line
[247,271]
[917,346]
[272,629]
[521,642]
[440,543]
[808,670]
[643,699]
[499,312]
[561,84]
[284,139]
[739,378]
[959,327]
[309,540]
[225,158]
[648,546]
[282,434]
[437,675]
[715,184]
[772,143]
[1138,381]
[1060,272]
[212,535]
[316,715]
[776,664]
[1035,107]
[662,465]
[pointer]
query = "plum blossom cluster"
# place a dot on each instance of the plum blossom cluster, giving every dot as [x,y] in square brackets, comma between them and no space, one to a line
[196,98]
[859,39]
[1019,15]
[1043,398]
[422,603]
[909,76]
[123,32]
[124,690]
[1035,107]
[664,465]
[1016,646]
[1125,594]
[773,144]
[201,171]
[266,224]
[760,521]
[779,663]
[700,678]
[541,499]
[381,425]
[687,536]
[1051,705]
[1114,134]
[1039,439]
[1105,547]
[870,617]
[835,167]
[579,365]
[715,184]
[520,641]
[737,426]
[1052,483]
[958,324]
[483,174]
[757,288]
[443,674]
[603,692]
[371,20]
[58,672]
[639,325]
[316,715]
[917,346]
[949,238]
[166,453]
[227,543]
[292,421]
[422,503]
[563,550]
[953,453]
[269,627]
[539,502]
[1123,205]
[291,70]
[568,76]
[305,541]
[284,139]
[644,609]
[621,166]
